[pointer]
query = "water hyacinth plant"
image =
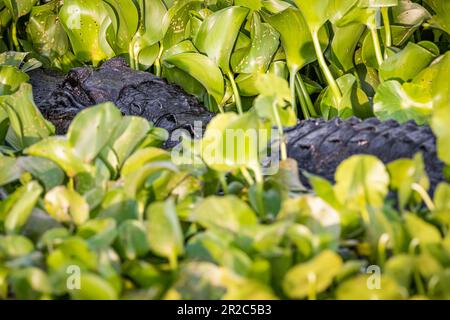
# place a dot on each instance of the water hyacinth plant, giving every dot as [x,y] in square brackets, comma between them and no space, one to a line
[109,200]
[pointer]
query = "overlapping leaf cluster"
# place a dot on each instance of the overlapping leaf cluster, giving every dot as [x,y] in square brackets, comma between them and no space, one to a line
[105,203]
[104,213]
[342,57]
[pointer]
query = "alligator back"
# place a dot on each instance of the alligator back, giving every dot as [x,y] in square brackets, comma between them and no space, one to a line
[320,146]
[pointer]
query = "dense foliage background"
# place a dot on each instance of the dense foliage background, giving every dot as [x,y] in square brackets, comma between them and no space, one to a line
[105,200]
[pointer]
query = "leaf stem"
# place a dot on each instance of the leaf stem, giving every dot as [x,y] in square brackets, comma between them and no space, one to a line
[131,54]
[387,28]
[259,191]
[236,94]
[303,104]
[376,43]
[247,176]
[312,281]
[326,71]
[304,91]
[14,36]
[158,61]
[283,149]
[424,195]
[382,244]
[292,74]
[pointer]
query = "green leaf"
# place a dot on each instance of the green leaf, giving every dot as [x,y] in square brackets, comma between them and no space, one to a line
[47,172]
[58,150]
[402,102]
[406,64]
[30,283]
[17,208]
[46,32]
[274,100]
[441,18]
[132,240]
[232,141]
[125,19]
[178,18]
[10,79]
[203,69]
[409,13]
[72,251]
[265,42]
[99,233]
[404,173]
[344,44]
[442,203]
[19,8]
[314,213]
[218,34]
[228,212]
[421,230]
[164,231]
[93,287]
[295,37]
[361,180]
[66,205]
[28,126]
[315,275]
[358,289]
[353,102]
[127,136]
[86,22]
[441,115]
[316,13]
[91,130]
[14,246]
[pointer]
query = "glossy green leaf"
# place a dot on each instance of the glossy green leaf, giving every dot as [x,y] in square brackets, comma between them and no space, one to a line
[229,213]
[361,180]
[441,17]
[19,8]
[91,130]
[203,69]
[232,141]
[132,240]
[164,231]
[45,31]
[93,287]
[125,19]
[265,42]
[402,102]
[30,283]
[315,275]
[218,34]
[358,288]
[406,64]
[17,208]
[424,232]
[27,123]
[404,173]
[58,150]
[99,233]
[66,205]
[295,37]
[10,79]
[344,44]
[86,22]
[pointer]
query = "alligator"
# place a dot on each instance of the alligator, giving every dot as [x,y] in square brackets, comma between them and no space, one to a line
[319,146]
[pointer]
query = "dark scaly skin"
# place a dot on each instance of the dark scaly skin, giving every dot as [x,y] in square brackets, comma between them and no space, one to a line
[318,146]
[133,92]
